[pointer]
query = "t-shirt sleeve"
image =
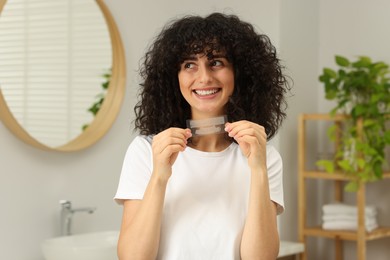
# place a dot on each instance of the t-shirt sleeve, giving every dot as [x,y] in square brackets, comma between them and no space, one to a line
[275,177]
[136,170]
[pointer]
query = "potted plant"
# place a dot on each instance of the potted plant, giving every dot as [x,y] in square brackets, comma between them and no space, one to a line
[361,90]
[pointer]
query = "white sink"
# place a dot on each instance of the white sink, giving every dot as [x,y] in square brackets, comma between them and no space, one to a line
[88,246]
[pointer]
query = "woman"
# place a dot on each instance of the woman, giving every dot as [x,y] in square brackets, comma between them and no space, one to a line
[213,196]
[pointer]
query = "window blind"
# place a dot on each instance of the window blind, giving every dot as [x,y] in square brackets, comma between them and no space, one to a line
[52,58]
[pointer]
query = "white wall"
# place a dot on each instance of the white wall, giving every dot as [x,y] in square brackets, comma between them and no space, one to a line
[299,48]
[33,181]
[308,33]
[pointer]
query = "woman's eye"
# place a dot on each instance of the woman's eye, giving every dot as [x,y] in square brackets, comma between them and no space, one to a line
[215,63]
[189,65]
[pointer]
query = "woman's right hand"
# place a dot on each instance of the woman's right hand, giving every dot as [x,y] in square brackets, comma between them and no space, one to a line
[141,222]
[166,146]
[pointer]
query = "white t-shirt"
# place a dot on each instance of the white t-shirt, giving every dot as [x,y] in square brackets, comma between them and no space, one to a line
[206,200]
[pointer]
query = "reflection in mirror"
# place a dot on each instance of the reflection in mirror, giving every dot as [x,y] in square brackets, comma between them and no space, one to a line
[53,57]
[54,60]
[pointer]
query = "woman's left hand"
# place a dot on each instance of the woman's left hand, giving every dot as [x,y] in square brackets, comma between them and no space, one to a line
[252,140]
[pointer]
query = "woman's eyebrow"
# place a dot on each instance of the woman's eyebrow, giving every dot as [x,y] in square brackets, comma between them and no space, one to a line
[210,57]
[192,57]
[218,56]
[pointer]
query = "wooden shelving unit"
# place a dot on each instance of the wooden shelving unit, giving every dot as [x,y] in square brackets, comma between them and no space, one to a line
[360,236]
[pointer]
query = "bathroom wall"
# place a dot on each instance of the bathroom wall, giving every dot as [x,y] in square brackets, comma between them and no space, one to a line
[33,181]
[299,49]
[308,33]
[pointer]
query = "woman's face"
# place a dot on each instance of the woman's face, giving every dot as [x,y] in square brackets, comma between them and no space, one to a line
[206,84]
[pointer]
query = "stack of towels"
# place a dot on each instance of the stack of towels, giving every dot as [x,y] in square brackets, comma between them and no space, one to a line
[339,216]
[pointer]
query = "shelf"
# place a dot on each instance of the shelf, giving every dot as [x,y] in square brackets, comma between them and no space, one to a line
[380,232]
[359,236]
[333,176]
[328,117]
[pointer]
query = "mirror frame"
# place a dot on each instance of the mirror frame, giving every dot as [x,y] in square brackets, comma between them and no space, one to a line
[108,111]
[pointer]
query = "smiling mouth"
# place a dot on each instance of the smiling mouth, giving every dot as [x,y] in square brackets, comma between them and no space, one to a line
[206,92]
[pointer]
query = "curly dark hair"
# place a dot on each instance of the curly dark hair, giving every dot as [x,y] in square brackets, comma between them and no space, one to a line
[259,87]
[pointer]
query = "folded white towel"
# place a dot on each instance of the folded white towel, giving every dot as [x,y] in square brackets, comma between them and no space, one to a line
[334,217]
[344,209]
[347,225]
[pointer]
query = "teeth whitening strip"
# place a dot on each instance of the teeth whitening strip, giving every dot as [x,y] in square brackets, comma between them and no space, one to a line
[215,125]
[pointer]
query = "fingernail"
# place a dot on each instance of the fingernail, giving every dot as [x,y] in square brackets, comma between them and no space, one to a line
[227,127]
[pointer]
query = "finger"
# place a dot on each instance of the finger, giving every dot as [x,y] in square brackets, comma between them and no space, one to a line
[240,128]
[172,149]
[172,136]
[235,127]
[172,132]
[259,134]
[160,145]
[253,141]
[246,132]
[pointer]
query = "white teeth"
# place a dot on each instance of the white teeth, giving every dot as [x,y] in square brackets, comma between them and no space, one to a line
[206,92]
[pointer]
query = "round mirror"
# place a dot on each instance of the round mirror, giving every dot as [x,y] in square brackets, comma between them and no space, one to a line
[62,71]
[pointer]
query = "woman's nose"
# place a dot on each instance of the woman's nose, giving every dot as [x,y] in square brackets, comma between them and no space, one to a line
[204,75]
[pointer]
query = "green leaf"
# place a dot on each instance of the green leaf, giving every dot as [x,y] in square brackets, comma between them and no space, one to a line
[342,61]
[331,94]
[370,151]
[376,97]
[352,186]
[369,123]
[330,73]
[326,164]
[379,66]
[105,85]
[378,170]
[359,110]
[331,132]
[361,163]
[342,73]
[322,78]
[345,165]
[363,62]
[386,136]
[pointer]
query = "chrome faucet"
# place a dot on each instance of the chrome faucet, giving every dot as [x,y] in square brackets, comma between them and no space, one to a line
[67,214]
